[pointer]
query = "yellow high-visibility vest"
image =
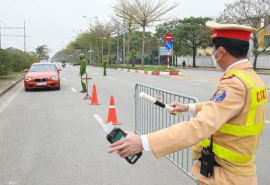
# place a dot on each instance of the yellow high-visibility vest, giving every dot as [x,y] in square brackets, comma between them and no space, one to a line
[258,98]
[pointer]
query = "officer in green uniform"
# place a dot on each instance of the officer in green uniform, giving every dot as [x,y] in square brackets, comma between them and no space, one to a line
[104,64]
[82,71]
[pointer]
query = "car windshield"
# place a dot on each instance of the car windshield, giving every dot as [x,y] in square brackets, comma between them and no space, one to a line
[40,68]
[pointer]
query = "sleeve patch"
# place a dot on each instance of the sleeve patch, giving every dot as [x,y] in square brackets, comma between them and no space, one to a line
[219,95]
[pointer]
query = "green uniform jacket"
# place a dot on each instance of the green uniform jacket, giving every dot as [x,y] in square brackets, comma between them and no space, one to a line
[82,68]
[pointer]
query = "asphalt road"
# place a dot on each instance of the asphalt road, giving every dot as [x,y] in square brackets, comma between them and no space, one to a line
[51,137]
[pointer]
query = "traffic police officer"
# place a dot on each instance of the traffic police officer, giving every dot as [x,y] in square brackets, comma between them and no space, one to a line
[82,71]
[234,115]
[104,64]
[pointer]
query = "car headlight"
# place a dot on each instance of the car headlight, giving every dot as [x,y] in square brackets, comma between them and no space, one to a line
[27,79]
[54,78]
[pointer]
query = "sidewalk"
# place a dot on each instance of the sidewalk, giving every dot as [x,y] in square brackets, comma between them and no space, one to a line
[258,71]
[13,83]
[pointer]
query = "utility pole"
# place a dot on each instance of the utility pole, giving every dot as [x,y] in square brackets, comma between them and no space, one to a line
[12,35]
[124,57]
[90,34]
[24,38]
[0,36]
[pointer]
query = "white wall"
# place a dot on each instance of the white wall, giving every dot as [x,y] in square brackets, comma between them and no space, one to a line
[263,61]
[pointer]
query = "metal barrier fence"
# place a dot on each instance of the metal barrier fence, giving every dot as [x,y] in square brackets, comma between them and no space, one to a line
[150,118]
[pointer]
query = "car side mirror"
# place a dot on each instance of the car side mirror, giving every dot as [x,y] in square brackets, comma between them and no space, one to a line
[26,70]
[59,69]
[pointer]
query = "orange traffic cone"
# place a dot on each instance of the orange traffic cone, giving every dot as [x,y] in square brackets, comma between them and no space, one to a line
[112,114]
[94,100]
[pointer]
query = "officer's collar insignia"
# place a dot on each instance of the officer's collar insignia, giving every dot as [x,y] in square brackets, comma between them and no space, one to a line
[214,36]
[226,76]
[219,95]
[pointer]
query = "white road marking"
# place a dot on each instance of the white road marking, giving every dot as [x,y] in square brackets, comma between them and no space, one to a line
[99,120]
[12,183]
[64,79]
[110,77]
[95,73]
[73,89]
[267,121]
[6,103]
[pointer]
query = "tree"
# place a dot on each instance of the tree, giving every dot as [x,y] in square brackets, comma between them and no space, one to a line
[96,58]
[143,13]
[4,62]
[97,32]
[173,28]
[251,13]
[102,33]
[133,55]
[130,28]
[15,60]
[118,26]
[42,51]
[109,58]
[136,40]
[109,31]
[194,33]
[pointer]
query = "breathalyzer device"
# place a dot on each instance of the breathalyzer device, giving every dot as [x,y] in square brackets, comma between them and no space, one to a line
[115,134]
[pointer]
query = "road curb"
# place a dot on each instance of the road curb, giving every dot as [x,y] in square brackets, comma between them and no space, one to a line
[149,72]
[2,92]
[261,72]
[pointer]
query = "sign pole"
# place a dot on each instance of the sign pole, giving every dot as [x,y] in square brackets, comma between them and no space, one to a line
[159,55]
[169,46]
[173,61]
[168,61]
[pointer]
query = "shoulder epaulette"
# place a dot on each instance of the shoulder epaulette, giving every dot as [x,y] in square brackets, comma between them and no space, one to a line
[227,77]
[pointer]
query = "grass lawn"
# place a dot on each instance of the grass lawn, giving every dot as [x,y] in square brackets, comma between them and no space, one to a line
[152,68]
[7,80]
[161,68]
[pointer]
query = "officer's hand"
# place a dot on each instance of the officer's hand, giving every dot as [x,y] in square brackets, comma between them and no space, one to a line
[178,107]
[79,74]
[130,145]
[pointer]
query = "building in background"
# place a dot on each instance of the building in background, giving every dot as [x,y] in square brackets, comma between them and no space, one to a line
[264,36]
[204,52]
[263,39]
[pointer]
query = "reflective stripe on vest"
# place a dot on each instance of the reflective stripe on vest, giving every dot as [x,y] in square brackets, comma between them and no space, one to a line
[249,128]
[227,154]
[258,97]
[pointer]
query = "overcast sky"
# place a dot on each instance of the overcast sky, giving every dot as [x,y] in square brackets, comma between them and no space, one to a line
[51,21]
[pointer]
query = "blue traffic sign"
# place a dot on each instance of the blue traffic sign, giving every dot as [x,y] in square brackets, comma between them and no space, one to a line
[163,51]
[168,45]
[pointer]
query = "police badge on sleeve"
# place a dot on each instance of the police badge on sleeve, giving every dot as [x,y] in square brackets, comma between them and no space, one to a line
[219,95]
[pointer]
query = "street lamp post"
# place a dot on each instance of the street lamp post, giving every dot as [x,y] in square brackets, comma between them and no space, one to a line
[77,34]
[90,31]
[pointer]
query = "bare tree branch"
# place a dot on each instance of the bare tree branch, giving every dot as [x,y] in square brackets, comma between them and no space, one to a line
[249,13]
[144,13]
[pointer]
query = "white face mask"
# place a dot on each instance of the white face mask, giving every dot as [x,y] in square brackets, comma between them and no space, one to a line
[214,59]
